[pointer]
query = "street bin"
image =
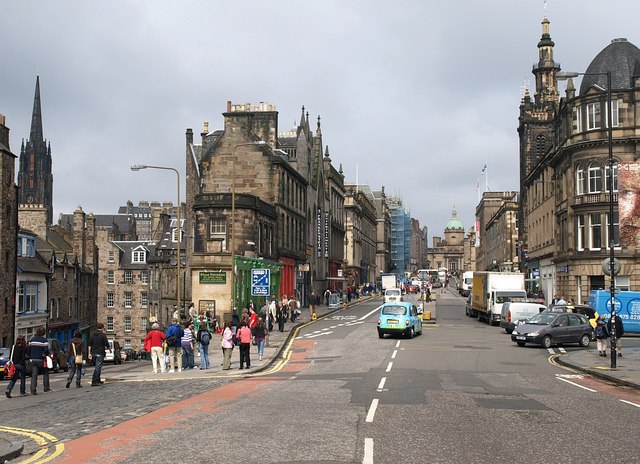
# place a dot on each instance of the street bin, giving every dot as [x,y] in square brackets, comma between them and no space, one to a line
[427,316]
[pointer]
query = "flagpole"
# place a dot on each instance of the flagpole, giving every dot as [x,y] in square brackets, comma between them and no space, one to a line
[486,178]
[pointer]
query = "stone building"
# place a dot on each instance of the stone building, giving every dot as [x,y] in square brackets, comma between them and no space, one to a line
[35,177]
[565,174]
[275,191]
[500,237]
[486,210]
[383,233]
[360,240]
[145,212]
[32,281]
[8,234]
[448,252]
[71,257]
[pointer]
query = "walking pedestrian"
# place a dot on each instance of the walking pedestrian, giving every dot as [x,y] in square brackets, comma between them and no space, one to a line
[37,351]
[313,302]
[18,358]
[76,355]
[98,346]
[260,337]
[619,332]
[174,335]
[203,338]
[602,334]
[187,347]
[281,316]
[244,335]
[153,344]
[272,313]
[227,346]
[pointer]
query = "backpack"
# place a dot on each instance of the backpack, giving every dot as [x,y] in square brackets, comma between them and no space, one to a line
[173,338]
[205,337]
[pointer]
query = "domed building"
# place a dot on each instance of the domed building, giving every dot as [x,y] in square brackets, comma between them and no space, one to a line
[449,252]
[567,182]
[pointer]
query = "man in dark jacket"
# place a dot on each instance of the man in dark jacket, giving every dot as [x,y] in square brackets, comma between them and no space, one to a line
[174,335]
[37,350]
[619,333]
[98,345]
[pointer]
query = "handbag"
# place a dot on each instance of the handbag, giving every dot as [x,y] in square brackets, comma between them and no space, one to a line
[10,367]
[78,357]
[48,362]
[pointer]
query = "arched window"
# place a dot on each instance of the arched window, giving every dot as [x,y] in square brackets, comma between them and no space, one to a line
[607,177]
[541,145]
[581,180]
[595,178]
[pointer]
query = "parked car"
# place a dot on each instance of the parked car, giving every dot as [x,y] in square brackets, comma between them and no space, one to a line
[129,354]
[515,313]
[399,317]
[5,353]
[548,328]
[588,311]
[60,358]
[113,354]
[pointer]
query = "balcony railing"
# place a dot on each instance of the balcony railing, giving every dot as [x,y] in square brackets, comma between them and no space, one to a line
[591,198]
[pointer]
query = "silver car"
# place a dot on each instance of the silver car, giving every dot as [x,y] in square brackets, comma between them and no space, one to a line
[549,328]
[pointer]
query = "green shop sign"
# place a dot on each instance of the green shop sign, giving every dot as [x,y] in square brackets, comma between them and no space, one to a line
[213,277]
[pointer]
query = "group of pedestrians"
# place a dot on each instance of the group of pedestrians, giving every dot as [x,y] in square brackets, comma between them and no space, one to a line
[37,352]
[603,332]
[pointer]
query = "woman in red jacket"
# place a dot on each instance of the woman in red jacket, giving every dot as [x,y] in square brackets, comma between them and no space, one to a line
[153,343]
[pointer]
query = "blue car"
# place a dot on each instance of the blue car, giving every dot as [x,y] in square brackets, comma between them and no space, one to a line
[399,317]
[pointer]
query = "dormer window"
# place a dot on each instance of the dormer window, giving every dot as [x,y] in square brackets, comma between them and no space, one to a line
[139,255]
[174,230]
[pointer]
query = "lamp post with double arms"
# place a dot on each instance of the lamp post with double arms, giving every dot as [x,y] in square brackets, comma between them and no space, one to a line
[138,167]
[233,215]
[612,267]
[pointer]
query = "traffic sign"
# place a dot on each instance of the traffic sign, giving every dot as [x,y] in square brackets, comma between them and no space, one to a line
[606,266]
[260,282]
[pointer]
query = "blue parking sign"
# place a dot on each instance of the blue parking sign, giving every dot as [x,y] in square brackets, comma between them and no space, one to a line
[260,282]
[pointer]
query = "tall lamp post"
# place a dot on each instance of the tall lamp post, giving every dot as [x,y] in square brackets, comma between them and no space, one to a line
[233,215]
[138,167]
[612,271]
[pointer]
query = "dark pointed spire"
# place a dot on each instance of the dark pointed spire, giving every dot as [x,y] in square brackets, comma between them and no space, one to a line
[36,136]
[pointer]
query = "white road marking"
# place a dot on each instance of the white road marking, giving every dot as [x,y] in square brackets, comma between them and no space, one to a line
[550,350]
[562,350]
[368,451]
[381,384]
[398,344]
[318,335]
[632,404]
[372,410]
[577,385]
[389,367]
[369,313]
[393,355]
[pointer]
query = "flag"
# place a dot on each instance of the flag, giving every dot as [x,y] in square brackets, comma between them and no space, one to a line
[484,169]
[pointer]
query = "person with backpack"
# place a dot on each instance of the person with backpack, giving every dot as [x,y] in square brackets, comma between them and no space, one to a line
[244,335]
[203,337]
[602,334]
[619,326]
[174,335]
[259,337]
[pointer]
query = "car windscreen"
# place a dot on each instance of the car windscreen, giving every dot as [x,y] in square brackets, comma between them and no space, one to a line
[394,310]
[503,297]
[395,292]
[542,319]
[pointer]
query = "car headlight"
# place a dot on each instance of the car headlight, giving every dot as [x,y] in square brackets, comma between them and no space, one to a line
[515,332]
[533,334]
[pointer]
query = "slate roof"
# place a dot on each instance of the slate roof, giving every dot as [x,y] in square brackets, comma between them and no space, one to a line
[32,265]
[619,57]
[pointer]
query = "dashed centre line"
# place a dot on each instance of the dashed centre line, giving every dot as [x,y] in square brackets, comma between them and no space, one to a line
[389,366]
[372,410]
[393,355]
[382,382]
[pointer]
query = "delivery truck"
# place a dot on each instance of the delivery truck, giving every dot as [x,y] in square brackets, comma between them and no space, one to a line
[491,289]
[389,281]
[465,283]
[627,307]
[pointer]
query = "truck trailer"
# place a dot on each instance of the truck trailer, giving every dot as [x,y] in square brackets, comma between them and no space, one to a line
[490,290]
[389,281]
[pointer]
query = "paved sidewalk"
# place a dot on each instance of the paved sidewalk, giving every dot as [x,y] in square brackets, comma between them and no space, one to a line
[626,373]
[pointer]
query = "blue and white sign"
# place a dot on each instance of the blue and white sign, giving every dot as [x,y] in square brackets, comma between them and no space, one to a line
[260,282]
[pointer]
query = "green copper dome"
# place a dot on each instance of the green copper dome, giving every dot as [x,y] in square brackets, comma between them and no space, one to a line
[454,222]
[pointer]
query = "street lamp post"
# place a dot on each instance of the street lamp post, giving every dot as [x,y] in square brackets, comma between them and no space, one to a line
[138,167]
[612,287]
[233,215]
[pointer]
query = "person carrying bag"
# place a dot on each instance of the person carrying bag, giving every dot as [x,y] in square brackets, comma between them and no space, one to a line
[18,366]
[76,347]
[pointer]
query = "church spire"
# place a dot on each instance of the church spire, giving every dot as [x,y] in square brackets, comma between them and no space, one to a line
[36,136]
[546,68]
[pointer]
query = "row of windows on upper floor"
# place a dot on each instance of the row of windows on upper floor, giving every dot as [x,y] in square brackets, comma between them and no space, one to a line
[127,323]
[128,277]
[128,300]
[589,117]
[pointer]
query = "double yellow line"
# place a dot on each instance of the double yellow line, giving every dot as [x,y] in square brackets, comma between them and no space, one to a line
[42,439]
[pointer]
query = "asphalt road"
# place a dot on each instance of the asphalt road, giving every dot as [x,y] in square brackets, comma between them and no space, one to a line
[461,392]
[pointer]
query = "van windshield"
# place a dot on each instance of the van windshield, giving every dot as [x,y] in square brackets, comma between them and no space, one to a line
[394,310]
[503,297]
[394,292]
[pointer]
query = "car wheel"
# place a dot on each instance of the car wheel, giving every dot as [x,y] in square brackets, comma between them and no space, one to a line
[411,332]
[380,335]
[520,343]
[584,340]
[546,341]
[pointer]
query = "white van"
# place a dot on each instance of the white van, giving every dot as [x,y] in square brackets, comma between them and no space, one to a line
[392,294]
[514,311]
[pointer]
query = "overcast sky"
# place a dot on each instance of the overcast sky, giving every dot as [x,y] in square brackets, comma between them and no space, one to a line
[415,95]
